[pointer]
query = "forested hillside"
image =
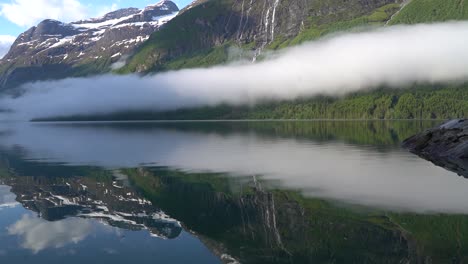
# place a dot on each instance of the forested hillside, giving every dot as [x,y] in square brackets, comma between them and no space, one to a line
[418,102]
[204,34]
[421,102]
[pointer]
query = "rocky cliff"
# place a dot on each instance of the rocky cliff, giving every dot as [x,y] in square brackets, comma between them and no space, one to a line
[445,145]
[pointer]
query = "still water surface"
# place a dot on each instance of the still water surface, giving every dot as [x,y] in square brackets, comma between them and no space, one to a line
[226,192]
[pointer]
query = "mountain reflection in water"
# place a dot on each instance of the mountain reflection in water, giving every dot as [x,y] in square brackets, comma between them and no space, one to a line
[254,192]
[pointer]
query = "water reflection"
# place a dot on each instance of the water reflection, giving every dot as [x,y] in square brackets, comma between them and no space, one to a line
[100,196]
[38,234]
[250,192]
[7,199]
[355,162]
[90,218]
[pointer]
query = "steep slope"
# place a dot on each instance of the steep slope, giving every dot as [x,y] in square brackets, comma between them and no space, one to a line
[201,33]
[54,49]
[420,102]
[424,11]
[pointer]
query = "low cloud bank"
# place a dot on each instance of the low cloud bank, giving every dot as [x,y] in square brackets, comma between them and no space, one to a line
[394,56]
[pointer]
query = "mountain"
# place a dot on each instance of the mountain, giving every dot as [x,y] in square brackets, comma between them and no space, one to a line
[53,49]
[277,27]
[211,32]
[203,33]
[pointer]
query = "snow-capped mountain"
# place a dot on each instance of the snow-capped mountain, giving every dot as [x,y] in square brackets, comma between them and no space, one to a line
[55,49]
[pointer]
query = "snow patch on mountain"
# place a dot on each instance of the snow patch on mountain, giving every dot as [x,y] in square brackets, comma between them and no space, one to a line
[112,36]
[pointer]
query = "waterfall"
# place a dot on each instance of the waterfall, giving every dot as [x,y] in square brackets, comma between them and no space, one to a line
[244,19]
[268,26]
[239,31]
[275,5]
[403,5]
[264,29]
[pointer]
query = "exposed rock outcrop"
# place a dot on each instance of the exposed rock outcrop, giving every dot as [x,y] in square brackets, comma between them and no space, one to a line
[445,146]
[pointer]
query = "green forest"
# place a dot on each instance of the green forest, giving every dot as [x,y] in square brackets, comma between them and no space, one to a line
[419,102]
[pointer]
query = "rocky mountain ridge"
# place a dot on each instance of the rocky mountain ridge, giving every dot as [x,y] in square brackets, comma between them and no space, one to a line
[53,49]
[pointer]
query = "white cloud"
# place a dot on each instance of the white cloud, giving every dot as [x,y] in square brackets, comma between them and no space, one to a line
[5,44]
[39,234]
[102,10]
[7,198]
[27,13]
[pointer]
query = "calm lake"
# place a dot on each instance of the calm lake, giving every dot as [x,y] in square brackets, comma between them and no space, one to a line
[226,192]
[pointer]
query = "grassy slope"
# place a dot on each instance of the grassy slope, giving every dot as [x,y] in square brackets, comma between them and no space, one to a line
[183,30]
[180,31]
[424,11]
[315,30]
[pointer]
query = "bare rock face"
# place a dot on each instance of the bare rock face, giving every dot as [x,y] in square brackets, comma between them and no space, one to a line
[445,146]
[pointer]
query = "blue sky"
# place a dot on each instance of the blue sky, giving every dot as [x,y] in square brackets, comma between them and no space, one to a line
[16,16]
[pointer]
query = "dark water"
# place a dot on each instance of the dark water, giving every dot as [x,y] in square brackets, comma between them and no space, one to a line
[226,192]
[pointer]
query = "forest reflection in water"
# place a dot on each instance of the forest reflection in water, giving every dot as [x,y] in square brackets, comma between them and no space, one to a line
[248,191]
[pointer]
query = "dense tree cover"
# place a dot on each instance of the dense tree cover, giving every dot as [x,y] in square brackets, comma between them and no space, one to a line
[421,102]
[417,103]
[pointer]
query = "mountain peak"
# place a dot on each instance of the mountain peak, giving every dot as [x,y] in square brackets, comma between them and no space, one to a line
[164,4]
[124,12]
[66,47]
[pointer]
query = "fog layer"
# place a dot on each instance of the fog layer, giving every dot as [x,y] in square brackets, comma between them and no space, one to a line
[393,56]
[393,179]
